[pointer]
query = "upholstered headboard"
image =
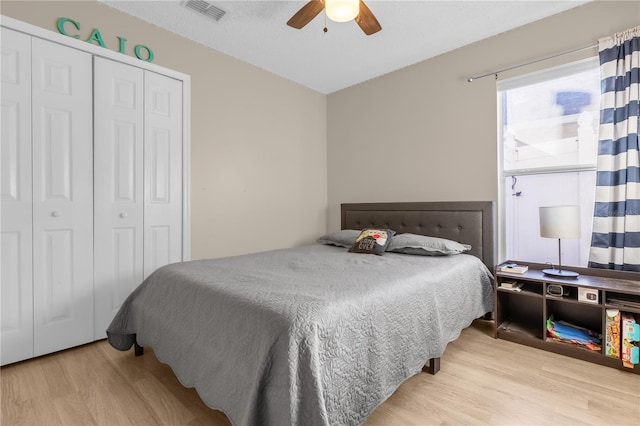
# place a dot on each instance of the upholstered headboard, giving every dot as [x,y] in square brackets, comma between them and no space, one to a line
[468,222]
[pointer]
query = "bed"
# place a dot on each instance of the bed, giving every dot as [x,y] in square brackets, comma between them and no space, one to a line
[315,335]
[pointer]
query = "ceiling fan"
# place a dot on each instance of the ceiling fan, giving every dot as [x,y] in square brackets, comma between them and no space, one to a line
[344,11]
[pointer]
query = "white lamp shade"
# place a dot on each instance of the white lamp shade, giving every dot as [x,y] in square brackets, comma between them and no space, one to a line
[560,222]
[342,10]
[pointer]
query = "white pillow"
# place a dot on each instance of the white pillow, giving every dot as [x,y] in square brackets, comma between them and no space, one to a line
[343,238]
[425,246]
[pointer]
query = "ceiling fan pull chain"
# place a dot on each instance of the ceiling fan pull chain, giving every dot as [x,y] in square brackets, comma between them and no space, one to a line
[325,29]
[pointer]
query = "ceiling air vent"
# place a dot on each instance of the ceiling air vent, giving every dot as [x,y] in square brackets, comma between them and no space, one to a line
[205,8]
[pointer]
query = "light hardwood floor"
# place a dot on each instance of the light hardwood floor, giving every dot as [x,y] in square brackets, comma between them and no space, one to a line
[481,381]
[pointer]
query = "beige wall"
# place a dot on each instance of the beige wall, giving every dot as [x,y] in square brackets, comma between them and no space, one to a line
[258,141]
[424,133]
[264,150]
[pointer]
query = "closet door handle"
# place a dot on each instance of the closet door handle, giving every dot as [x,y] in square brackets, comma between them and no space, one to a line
[123,215]
[56,213]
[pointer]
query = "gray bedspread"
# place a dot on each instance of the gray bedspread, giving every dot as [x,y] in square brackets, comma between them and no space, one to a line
[306,336]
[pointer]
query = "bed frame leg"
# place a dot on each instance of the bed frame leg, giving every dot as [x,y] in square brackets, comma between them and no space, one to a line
[138,350]
[488,316]
[434,365]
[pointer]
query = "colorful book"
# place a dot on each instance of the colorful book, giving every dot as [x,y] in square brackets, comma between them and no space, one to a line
[630,351]
[612,333]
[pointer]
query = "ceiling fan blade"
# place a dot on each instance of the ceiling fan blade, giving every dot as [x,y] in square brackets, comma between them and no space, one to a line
[306,14]
[367,21]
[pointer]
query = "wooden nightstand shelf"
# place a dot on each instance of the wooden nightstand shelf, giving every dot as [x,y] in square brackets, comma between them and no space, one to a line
[520,316]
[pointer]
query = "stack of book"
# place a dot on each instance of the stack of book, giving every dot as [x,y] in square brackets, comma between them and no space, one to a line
[513,268]
[511,285]
[623,303]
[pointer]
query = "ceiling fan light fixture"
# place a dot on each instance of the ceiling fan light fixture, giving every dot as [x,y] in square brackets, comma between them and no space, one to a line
[342,10]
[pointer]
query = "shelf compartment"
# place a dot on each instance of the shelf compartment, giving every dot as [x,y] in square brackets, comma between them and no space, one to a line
[528,288]
[520,328]
[580,352]
[522,292]
[571,346]
[570,293]
[579,314]
[519,314]
[622,301]
[586,355]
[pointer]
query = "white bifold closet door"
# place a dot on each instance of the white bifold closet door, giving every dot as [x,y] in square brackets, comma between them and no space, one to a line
[119,199]
[62,158]
[47,197]
[16,213]
[138,181]
[163,171]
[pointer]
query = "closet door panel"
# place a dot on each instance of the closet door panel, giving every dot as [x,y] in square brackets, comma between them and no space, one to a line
[118,165]
[163,172]
[62,197]
[16,335]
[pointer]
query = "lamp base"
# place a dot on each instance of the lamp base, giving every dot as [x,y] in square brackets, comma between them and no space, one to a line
[560,273]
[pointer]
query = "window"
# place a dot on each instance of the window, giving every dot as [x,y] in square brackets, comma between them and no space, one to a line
[548,148]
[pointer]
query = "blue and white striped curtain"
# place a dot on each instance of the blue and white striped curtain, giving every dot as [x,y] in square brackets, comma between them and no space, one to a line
[615,242]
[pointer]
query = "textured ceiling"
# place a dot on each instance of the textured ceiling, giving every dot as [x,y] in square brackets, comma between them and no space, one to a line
[412,31]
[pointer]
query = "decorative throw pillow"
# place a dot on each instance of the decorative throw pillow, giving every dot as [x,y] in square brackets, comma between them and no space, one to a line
[373,241]
[343,238]
[425,246]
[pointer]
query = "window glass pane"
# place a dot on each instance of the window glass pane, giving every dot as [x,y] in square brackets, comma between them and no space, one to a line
[552,123]
[524,195]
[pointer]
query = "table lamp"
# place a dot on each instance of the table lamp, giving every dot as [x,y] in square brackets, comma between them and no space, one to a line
[560,222]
